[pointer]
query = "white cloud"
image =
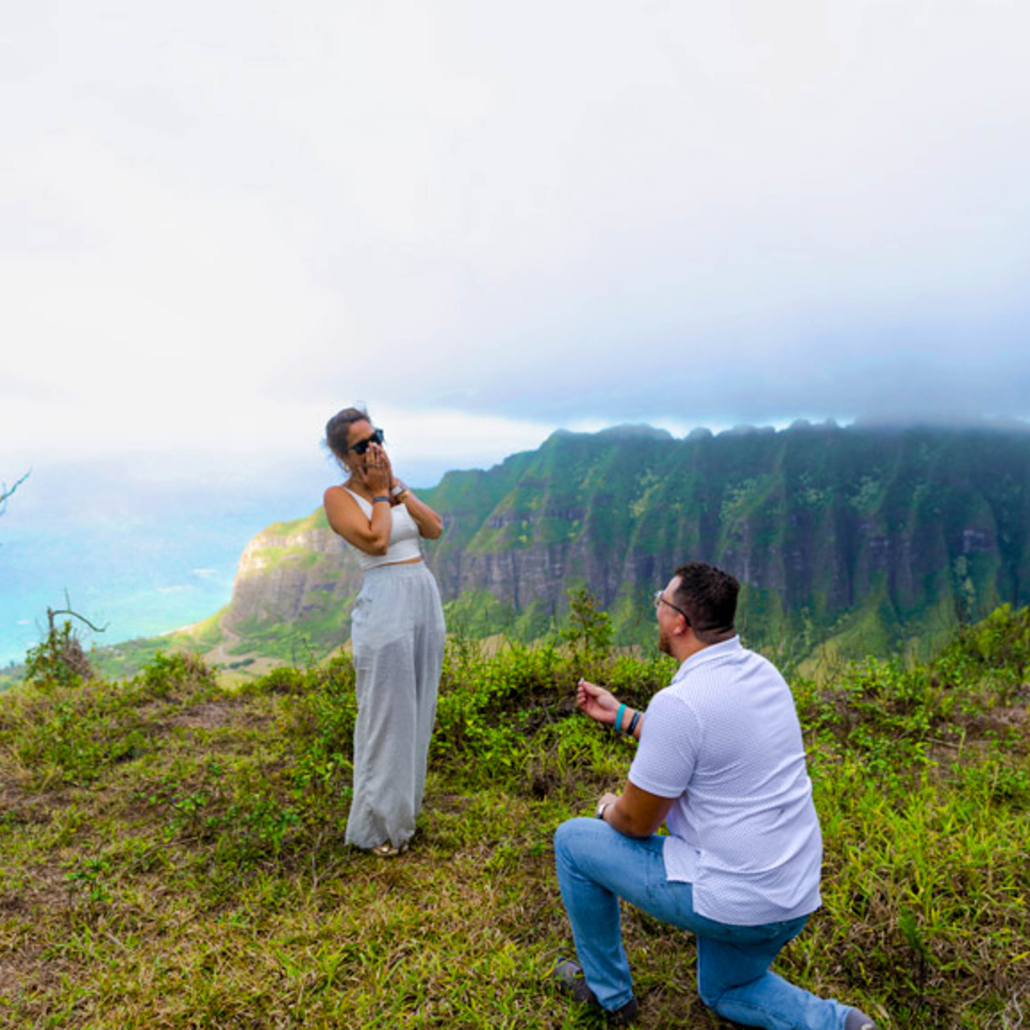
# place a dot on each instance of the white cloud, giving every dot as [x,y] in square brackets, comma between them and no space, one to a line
[221,221]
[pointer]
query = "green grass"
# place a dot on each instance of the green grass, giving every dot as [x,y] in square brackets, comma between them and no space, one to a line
[174,857]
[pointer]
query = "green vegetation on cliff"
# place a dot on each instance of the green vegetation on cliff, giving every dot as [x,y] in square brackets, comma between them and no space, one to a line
[849,541]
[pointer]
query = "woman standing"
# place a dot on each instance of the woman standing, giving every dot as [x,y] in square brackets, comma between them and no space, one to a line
[397,634]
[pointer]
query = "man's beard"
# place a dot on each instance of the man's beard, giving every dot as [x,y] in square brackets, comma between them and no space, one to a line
[663,642]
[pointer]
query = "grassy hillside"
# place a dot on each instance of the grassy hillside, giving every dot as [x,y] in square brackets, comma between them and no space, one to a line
[174,858]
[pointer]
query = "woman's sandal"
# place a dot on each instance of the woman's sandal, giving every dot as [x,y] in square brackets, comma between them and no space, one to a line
[387,850]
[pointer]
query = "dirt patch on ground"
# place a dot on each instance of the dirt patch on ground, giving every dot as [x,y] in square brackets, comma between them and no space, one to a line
[26,969]
[24,808]
[45,890]
[24,907]
[1001,721]
[211,715]
[451,802]
[1015,715]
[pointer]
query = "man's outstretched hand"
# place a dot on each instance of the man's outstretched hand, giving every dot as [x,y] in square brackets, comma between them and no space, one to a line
[596,702]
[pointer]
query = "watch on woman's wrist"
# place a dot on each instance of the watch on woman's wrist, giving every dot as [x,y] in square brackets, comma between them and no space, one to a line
[399,489]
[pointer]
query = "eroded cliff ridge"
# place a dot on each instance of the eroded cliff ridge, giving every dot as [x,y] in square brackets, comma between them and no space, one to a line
[878,538]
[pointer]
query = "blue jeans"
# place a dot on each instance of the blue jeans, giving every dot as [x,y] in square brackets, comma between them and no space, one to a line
[598,865]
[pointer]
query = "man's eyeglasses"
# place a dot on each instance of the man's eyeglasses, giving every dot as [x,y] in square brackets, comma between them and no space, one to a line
[362,445]
[659,601]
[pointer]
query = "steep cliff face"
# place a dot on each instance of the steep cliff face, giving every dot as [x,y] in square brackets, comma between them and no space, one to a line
[291,576]
[821,524]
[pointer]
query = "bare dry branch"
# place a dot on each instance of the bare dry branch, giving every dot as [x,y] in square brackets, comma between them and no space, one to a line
[5,493]
[51,612]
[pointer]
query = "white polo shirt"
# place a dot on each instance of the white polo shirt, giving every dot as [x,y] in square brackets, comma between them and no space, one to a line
[724,740]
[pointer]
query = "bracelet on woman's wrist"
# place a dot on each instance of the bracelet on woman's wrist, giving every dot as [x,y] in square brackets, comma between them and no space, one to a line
[618,718]
[633,724]
[381,497]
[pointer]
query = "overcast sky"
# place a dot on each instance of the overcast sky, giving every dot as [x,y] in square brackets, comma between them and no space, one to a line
[221,221]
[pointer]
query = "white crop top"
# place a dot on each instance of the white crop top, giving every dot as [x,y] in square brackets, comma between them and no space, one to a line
[404,537]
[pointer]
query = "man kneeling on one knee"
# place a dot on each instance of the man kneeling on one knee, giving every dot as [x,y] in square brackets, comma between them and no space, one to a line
[721,762]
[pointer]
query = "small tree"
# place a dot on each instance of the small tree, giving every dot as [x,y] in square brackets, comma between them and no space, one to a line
[590,627]
[60,660]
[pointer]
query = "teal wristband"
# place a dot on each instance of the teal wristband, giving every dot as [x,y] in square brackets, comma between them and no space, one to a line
[618,718]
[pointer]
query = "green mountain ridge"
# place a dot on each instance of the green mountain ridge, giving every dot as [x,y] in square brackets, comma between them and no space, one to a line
[848,541]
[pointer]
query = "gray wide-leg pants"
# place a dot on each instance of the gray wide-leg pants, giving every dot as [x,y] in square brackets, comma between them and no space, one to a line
[397,634]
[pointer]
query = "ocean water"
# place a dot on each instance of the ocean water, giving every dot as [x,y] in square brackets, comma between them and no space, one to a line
[139,548]
[136,559]
[130,583]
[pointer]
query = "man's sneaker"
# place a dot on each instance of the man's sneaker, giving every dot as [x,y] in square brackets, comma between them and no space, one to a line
[569,979]
[858,1020]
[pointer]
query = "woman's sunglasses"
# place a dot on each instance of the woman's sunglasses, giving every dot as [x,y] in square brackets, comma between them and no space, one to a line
[362,445]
